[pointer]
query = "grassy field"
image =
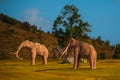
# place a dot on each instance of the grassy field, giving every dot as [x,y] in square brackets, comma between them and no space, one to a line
[21,70]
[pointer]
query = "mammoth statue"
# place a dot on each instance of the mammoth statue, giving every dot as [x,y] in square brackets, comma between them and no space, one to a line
[84,50]
[36,49]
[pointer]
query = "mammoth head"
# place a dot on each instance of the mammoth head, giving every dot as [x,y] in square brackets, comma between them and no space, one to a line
[72,42]
[25,43]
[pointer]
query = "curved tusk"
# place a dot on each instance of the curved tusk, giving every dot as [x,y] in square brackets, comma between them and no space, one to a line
[18,56]
[64,51]
[19,48]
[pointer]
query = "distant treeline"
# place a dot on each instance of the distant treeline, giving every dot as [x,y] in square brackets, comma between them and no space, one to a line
[13,32]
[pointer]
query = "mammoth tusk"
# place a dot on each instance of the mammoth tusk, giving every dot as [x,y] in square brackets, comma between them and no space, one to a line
[19,48]
[11,53]
[64,51]
[18,56]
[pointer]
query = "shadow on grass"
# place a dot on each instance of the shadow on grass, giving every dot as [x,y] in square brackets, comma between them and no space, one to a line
[45,70]
[64,69]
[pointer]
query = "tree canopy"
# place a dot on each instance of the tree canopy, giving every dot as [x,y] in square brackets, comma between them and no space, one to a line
[69,24]
[116,54]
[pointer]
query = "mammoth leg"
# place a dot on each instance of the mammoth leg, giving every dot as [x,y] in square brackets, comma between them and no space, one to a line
[93,59]
[44,59]
[33,55]
[78,60]
[33,60]
[93,62]
[75,66]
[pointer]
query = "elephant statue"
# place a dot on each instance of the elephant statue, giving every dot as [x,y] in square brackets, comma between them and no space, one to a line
[36,49]
[82,50]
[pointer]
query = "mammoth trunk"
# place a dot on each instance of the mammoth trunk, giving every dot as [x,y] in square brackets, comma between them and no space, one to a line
[18,51]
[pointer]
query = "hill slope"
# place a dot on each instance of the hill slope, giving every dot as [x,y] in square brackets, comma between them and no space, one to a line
[13,32]
[11,35]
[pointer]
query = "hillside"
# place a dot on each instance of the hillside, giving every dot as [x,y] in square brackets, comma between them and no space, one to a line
[103,49]
[13,32]
[11,35]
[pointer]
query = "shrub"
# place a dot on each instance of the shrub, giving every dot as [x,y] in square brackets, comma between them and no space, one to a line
[102,56]
[116,54]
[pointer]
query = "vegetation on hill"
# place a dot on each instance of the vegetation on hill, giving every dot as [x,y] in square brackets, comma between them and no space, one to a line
[13,32]
[116,54]
[69,24]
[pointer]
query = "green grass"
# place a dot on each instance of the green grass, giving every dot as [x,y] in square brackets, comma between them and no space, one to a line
[22,70]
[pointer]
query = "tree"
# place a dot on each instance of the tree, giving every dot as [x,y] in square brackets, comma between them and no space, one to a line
[99,40]
[116,54]
[8,19]
[69,24]
[101,56]
[26,26]
[107,42]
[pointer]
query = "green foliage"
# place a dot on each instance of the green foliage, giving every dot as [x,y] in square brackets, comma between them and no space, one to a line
[4,55]
[26,26]
[33,28]
[11,35]
[108,42]
[69,24]
[116,54]
[101,56]
[8,19]
[99,38]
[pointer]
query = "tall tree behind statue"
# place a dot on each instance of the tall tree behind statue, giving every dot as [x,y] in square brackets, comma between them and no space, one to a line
[69,24]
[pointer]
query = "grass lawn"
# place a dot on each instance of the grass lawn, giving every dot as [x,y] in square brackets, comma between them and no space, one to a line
[22,70]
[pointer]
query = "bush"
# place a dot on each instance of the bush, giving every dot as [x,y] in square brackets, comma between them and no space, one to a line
[3,55]
[102,56]
[116,54]
[26,26]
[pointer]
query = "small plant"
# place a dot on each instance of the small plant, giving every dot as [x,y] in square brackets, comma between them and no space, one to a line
[116,54]
[102,56]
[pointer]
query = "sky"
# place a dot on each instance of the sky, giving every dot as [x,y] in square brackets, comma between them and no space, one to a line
[103,15]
